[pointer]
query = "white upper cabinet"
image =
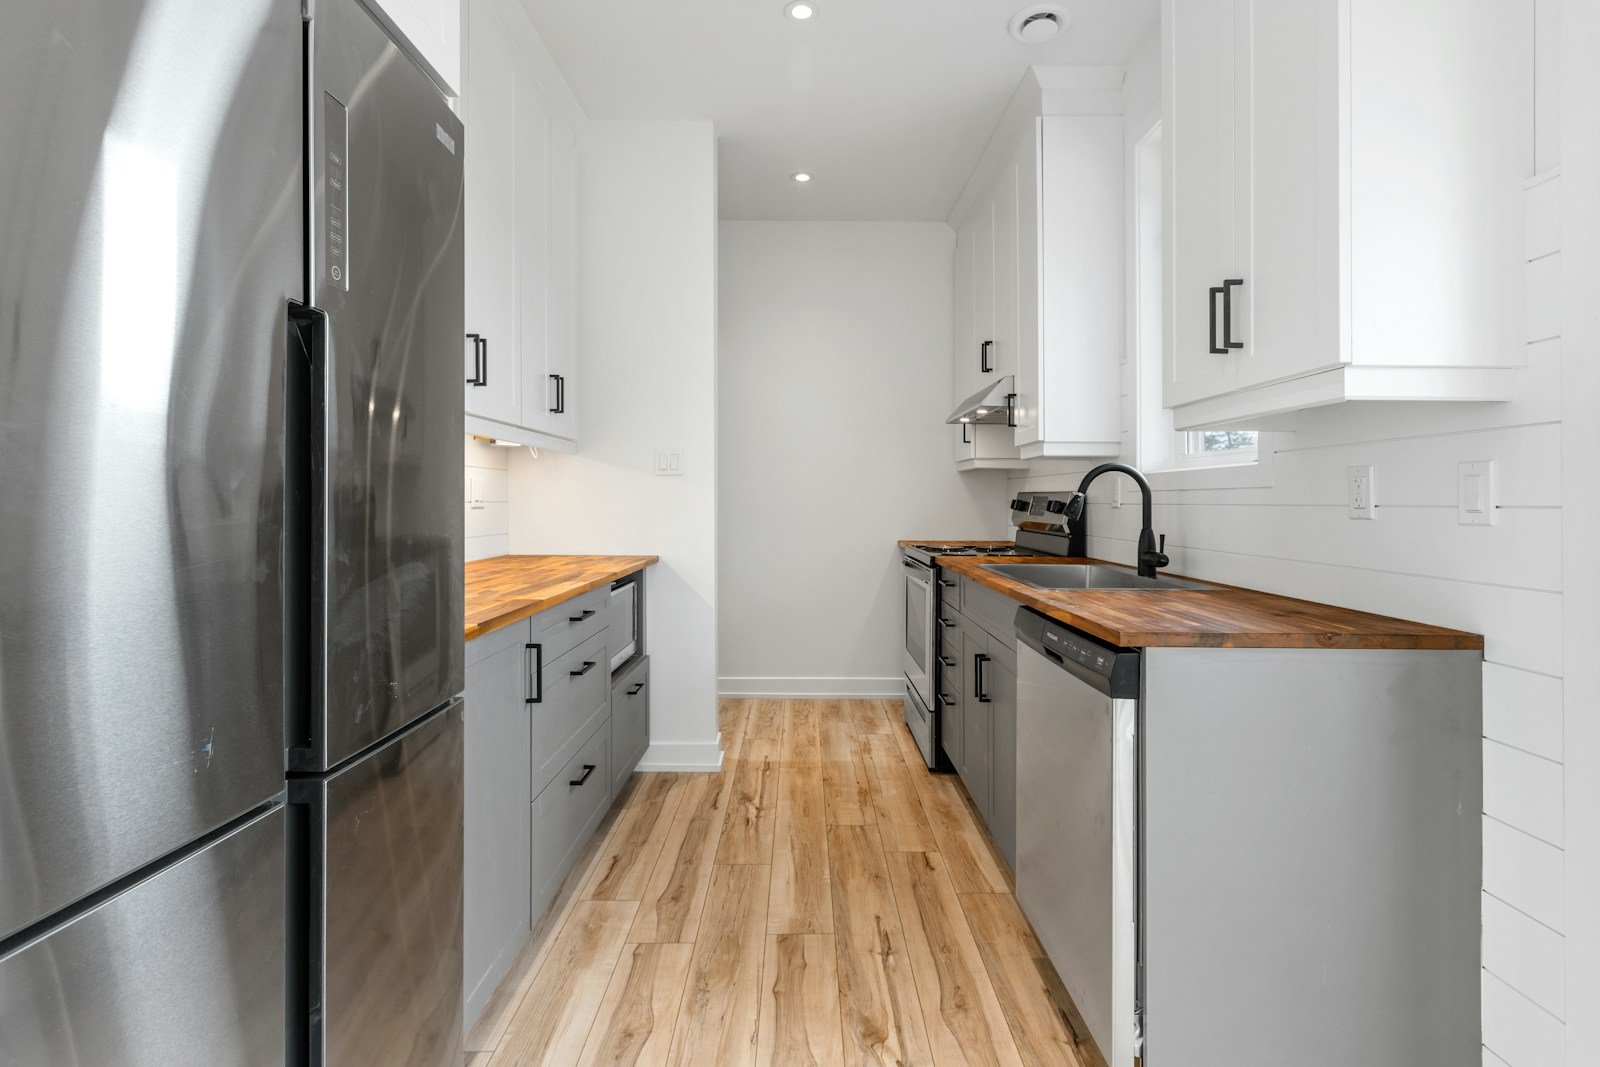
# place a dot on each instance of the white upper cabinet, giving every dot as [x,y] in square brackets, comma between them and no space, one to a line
[1344,202]
[521,185]
[433,28]
[1040,251]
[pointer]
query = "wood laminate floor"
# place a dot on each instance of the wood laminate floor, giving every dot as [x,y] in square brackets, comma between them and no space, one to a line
[822,900]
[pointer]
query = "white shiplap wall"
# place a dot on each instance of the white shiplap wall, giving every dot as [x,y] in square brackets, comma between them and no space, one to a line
[1287,532]
[488,520]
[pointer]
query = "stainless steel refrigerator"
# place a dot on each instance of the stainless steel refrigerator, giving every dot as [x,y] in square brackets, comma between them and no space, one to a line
[230,538]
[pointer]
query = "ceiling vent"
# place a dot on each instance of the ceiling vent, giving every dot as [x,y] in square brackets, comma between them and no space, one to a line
[1039,23]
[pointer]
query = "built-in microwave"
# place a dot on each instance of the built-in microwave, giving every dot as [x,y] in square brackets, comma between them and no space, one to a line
[625,620]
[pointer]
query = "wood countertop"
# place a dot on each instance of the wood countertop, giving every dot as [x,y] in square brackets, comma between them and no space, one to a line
[1221,617]
[507,589]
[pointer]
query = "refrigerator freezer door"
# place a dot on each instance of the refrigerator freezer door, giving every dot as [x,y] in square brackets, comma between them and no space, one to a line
[387,268]
[183,967]
[151,232]
[385,937]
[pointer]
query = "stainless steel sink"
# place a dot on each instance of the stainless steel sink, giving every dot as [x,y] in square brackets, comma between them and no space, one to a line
[1086,576]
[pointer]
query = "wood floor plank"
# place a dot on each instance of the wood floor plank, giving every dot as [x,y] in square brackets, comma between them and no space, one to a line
[1035,1003]
[964,1019]
[868,716]
[969,859]
[747,834]
[634,845]
[766,720]
[895,801]
[882,1017]
[645,787]
[553,1020]
[846,790]
[800,1022]
[802,739]
[718,1021]
[676,891]
[837,713]
[731,715]
[635,1022]
[801,901]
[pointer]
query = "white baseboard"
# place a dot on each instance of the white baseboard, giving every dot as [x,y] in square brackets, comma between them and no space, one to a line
[683,756]
[824,688]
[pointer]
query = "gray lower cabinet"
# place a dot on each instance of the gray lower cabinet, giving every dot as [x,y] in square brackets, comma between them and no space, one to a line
[572,697]
[980,707]
[977,718]
[1001,679]
[566,812]
[630,720]
[952,684]
[496,780]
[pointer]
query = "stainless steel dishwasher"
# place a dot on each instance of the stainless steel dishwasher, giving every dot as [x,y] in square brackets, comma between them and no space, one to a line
[1077,794]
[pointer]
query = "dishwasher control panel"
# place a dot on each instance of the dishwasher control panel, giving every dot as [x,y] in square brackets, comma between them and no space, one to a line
[1112,670]
[1097,658]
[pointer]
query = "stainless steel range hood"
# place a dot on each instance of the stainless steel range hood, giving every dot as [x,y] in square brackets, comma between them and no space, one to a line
[992,405]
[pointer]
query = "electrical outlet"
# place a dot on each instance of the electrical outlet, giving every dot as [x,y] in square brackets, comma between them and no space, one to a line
[669,463]
[1475,493]
[1359,493]
[475,492]
[1116,491]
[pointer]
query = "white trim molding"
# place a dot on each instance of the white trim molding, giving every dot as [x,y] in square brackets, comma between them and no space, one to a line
[818,688]
[683,756]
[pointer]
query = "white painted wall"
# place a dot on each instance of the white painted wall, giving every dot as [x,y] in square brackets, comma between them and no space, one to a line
[835,346]
[647,376]
[1284,528]
[487,498]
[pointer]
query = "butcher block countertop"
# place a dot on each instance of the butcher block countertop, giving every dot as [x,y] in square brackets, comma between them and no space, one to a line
[1222,617]
[507,589]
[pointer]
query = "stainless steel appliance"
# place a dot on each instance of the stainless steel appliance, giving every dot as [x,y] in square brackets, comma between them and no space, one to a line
[229,538]
[150,240]
[626,619]
[375,789]
[920,654]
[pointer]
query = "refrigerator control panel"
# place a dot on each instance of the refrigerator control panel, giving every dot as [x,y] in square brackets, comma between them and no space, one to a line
[336,194]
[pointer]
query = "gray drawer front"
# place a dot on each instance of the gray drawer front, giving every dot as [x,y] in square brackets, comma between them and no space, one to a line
[630,721]
[573,705]
[569,625]
[949,590]
[993,612]
[565,815]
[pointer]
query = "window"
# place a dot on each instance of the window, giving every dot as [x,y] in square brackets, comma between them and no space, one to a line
[1198,447]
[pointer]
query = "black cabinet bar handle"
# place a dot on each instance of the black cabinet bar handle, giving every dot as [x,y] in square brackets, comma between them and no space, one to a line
[983,357]
[1227,313]
[946,623]
[588,665]
[947,701]
[536,678]
[561,394]
[580,618]
[948,583]
[1216,291]
[588,769]
[947,661]
[480,360]
[977,681]
[637,689]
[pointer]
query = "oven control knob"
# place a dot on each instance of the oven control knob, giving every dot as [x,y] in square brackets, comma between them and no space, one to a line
[1056,507]
[1019,505]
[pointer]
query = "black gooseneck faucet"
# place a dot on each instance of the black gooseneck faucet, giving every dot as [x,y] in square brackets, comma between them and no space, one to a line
[1151,556]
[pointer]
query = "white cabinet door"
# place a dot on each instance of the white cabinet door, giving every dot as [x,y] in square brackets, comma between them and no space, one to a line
[532,226]
[492,371]
[561,310]
[1003,353]
[964,329]
[982,297]
[1205,86]
[1288,308]
[1028,370]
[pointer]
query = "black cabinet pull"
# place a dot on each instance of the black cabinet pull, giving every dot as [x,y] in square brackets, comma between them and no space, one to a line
[588,769]
[536,680]
[480,360]
[1216,291]
[983,357]
[561,394]
[637,689]
[947,661]
[588,665]
[1227,313]
[946,623]
[965,438]
[947,701]
[977,678]
[948,583]
[579,618]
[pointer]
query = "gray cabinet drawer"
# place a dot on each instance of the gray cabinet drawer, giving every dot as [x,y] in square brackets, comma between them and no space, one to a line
[576,696]
[994,613]
[952,683]
[630,721]
[949,590]
[977,717]
[566,813]
[569,625]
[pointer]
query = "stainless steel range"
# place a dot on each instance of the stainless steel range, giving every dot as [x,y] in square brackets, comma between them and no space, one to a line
[923,584]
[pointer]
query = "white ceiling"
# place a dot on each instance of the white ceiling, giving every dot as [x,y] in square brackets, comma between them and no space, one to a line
[888,102]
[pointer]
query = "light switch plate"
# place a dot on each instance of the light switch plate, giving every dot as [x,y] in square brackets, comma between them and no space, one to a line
[1359,493]
[669,463]
[1475,493]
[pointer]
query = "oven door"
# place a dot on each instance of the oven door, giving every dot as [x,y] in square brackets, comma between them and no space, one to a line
[918,654]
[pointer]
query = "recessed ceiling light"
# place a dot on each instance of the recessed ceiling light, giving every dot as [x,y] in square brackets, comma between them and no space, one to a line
[800,10]
[801,176]
[1039,23]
